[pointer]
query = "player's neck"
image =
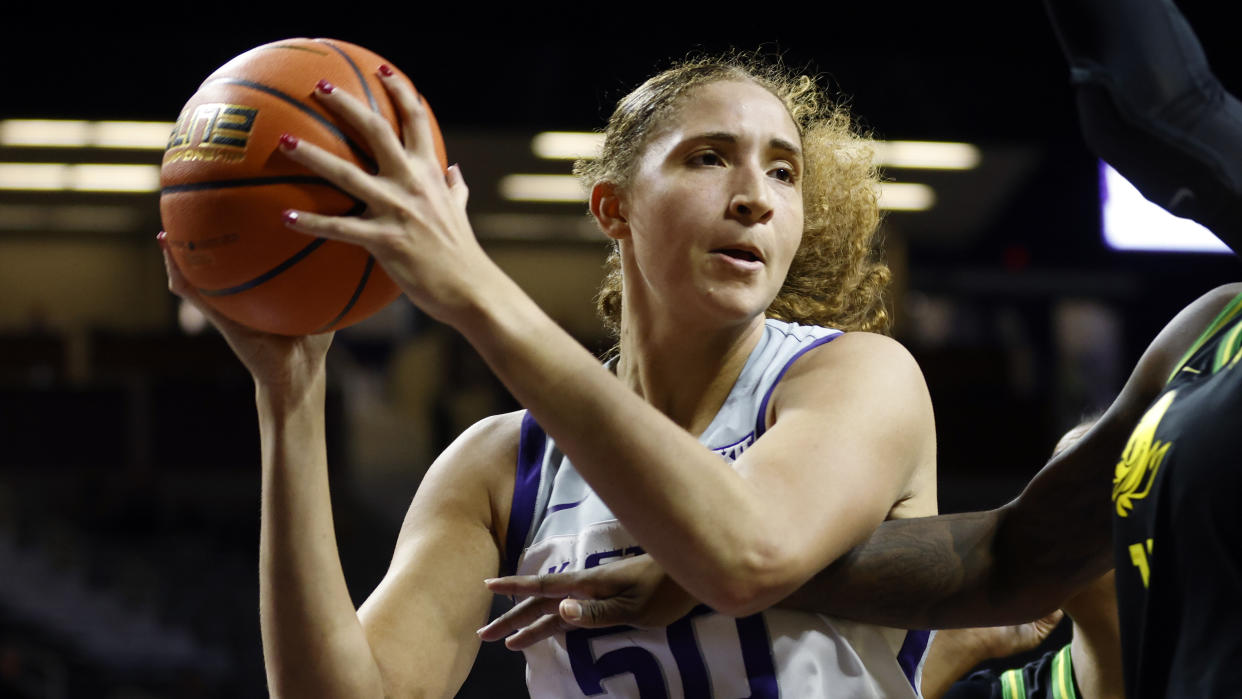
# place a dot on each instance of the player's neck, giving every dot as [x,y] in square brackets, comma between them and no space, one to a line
[686,375]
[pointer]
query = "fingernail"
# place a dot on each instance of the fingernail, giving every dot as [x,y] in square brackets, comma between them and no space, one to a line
[291,217]
[571,610]
[489,581]
[288,141]
[325,87]
[385,70]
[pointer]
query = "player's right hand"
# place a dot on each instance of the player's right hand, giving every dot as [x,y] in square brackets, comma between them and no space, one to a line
[274,361]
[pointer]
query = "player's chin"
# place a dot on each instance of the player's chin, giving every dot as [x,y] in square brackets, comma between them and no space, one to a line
[738,303]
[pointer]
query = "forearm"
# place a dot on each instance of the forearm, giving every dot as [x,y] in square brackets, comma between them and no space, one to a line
[313,643]
[974,569]
[913,573]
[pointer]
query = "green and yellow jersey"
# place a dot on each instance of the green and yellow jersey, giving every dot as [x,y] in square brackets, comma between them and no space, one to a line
[1178,525]
[1049,677]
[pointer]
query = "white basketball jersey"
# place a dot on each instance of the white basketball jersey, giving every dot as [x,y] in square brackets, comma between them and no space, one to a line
[558,523]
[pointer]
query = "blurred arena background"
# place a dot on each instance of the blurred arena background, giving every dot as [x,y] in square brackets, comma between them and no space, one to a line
[128,447]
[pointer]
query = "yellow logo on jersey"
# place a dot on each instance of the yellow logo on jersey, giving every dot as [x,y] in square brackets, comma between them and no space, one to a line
[1135,473]
[1139,557]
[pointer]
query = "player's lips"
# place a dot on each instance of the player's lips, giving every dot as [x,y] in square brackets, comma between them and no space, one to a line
[741,257]
[743,253]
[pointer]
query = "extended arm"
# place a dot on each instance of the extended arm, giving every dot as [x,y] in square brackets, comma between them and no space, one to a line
[1022,560]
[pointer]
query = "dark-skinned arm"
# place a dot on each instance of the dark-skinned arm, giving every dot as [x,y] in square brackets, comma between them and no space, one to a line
[1022,560]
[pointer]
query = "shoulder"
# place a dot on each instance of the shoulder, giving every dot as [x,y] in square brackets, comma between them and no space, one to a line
[1224,293]
[492,436]
[476,472]
[866,378]
[1179,337]
[885,398]
[1196,317]
[483,448]
[866,388]
[861,357]
[1199,314]
[858,378]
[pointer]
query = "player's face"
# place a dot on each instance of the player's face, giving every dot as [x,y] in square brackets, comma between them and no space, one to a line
[715,204]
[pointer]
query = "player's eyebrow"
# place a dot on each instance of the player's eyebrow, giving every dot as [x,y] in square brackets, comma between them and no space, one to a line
[782,144]
[727,137]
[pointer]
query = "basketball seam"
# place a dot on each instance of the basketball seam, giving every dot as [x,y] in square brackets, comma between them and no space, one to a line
[362,284]
[366,89]
[291,47]
[358,208]
[251,182]
[271,273]
[307,109]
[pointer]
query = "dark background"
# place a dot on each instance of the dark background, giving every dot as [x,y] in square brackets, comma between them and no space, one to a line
[140,493]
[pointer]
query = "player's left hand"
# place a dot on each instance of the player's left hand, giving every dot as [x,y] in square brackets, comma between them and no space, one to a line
[633,592]
[954,652]
[1003,641]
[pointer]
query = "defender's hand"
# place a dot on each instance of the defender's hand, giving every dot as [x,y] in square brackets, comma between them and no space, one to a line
[633,592]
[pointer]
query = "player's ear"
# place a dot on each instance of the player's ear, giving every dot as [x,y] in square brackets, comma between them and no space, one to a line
[606,207]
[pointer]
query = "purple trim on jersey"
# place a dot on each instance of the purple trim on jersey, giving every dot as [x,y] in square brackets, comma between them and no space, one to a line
[531,447]
[760,422]
[911,654]
[566,506]
[749,437]
[757,658]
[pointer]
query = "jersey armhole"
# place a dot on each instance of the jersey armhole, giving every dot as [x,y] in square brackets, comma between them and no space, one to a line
[761,425]
[1228,313]
[532,445]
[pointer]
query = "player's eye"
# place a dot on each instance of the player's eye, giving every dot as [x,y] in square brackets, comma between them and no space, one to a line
[707,158]
[784,174]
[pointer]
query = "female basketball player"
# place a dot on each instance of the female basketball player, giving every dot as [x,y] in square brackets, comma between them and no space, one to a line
[735,197]
[1169,443]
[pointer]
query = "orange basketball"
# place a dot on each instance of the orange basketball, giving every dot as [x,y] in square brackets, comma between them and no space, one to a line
[225,185]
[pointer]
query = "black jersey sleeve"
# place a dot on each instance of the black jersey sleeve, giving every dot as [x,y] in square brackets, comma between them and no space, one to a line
[1150,106]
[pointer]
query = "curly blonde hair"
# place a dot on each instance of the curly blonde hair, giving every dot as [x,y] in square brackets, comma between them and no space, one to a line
[837,277]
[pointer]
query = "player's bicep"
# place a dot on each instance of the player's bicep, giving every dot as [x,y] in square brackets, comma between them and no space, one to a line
[421,619]
[849,436]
